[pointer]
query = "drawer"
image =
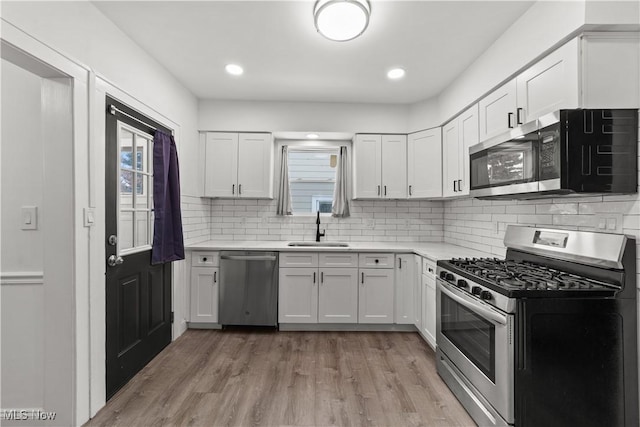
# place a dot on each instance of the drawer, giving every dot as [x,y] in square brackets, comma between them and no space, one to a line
[373,260]
[298,259]
[205,259]
[338,259]
[428,267]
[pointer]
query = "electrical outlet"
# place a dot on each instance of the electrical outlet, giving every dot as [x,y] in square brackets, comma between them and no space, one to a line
[407,223]
[369,223]
[609,222]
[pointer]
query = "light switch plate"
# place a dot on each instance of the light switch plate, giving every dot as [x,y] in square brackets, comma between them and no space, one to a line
[89,217]
[29,218]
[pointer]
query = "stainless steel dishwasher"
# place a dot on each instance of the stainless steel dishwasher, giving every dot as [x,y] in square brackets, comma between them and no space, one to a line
[248,288]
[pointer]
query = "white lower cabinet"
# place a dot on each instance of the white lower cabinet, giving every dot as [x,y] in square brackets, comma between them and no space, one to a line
[405,287]
[375,295]
[428,328]
[417,293]
[203,287]
[338,295]
[298,295]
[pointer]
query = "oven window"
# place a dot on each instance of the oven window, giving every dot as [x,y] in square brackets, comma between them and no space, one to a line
[474,336]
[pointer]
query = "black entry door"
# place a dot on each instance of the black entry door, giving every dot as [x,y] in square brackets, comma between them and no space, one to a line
[138,295]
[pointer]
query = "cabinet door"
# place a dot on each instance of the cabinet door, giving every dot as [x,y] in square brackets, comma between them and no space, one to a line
[204,295]
[367,167]
[468,135]
[375,297]
[497,111]
[549,85]
[404,289]
[221,164]
[429,309]
[298,295]
[338,295]
[417,292]
[394,166]
[424,164]
[255,165]
[450,159]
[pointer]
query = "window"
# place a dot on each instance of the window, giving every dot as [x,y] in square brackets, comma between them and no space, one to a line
[312,178]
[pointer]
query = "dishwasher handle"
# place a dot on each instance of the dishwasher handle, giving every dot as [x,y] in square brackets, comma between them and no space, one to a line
[249,257]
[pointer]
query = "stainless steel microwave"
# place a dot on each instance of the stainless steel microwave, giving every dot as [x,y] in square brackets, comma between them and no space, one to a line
[567,152]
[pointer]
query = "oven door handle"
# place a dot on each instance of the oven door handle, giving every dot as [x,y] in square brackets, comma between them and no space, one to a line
[481,311]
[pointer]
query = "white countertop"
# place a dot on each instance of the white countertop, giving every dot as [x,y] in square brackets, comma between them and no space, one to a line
[431,250]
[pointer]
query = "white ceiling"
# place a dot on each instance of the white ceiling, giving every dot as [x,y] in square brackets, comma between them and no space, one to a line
[285,59]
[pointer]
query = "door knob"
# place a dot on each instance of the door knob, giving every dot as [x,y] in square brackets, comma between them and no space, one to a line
[114,260]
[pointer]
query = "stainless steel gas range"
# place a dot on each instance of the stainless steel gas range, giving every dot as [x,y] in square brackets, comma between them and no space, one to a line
[547,336]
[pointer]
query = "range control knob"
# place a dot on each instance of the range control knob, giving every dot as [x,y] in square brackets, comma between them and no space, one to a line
[485,295]
[443,274]
[461,283]
[476,290]
[449,277]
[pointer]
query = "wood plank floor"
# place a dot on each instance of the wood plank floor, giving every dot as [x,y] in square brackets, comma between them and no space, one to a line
[268,378]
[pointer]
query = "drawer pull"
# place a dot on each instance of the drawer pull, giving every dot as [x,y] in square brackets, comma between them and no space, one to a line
[215,277]
[362,279]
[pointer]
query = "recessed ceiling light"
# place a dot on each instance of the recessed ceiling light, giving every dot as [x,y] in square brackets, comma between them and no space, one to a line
[234,69]
[396,73]
[312,135]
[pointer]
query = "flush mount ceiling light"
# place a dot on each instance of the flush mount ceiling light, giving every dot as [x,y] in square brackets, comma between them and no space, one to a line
[396,73]
[341,20]
[234,69]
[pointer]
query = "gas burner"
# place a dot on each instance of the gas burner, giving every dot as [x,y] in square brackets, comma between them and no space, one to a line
[523,275]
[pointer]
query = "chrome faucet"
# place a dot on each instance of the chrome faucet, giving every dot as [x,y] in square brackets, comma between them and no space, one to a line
[318,233]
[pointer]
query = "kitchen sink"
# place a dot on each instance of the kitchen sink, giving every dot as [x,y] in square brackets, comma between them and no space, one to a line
[320,244]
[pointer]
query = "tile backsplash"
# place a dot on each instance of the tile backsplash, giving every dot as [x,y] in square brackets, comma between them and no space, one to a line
[370,221]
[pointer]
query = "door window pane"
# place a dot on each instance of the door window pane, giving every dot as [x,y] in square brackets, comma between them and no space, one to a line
[125,230]
[142,228]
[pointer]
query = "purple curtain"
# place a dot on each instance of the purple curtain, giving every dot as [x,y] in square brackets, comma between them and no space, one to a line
[168,244]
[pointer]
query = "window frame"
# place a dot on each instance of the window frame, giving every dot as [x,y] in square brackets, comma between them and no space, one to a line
[301,145]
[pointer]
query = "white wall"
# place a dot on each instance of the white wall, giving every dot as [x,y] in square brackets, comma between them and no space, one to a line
[220,115]
[22,309]
[79,32]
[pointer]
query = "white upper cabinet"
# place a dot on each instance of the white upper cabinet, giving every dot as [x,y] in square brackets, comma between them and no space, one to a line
[548,85]
[424,164]
[380,167]
[255,165]
[457,136]
[367,165]
[221,164]
[238,165]
[394,166]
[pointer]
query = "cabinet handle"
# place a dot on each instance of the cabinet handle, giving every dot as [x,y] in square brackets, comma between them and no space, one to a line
[519,115]
[509,119]
[378,190]
[233,189]
[454,186]
[239,188]
[385,190]
[459,185]
[400,263]
[410,190]
[215,277]
[362,279]
[431,270]
[322,277]
[314,277]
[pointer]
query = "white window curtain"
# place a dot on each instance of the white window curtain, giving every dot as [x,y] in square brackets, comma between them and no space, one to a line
[284,192]
[340,206]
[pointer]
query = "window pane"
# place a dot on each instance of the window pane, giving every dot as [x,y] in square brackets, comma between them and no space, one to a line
[312,177]
[125,230]
[126,149]
[142,228]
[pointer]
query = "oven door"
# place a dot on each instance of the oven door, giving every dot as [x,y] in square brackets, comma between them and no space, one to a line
[478,340]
